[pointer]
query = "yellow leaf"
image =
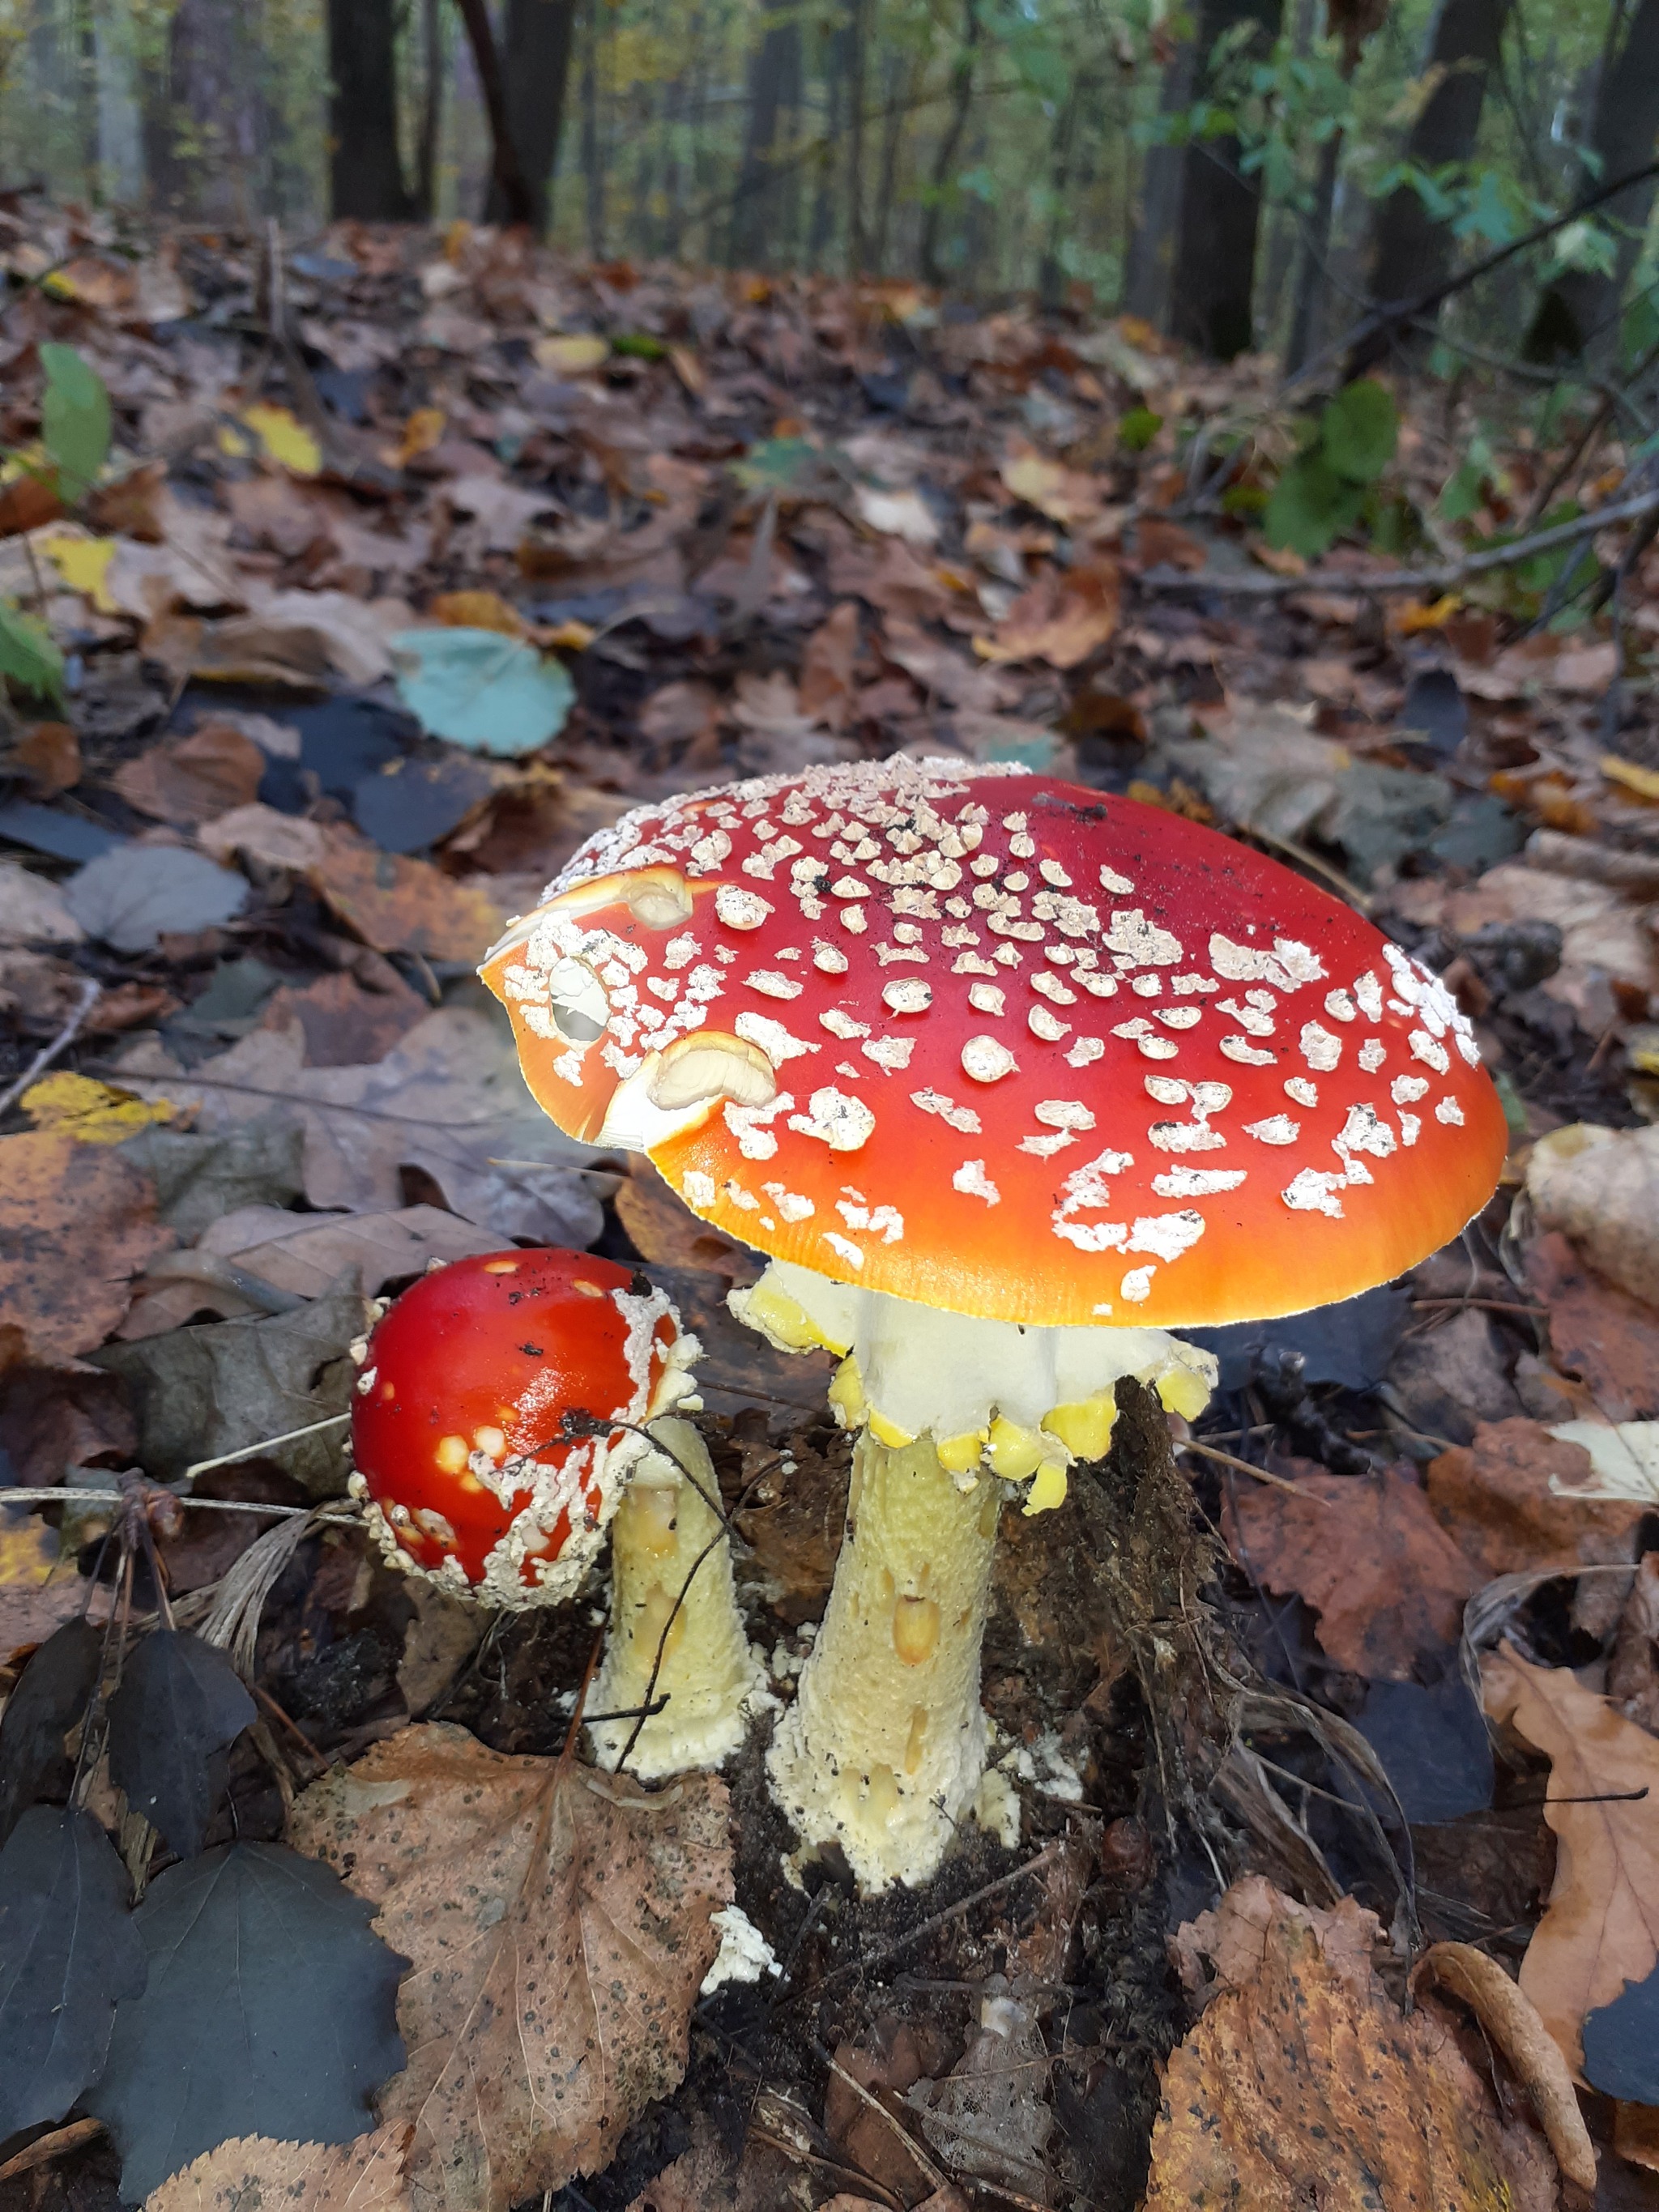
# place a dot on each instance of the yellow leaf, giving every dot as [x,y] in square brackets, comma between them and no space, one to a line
[1408,620]
[422,431]
[571,636]
[578,354]
[285,441]
[83,564]
[476,610]
[1640,782]
[92,1113]
[234,443]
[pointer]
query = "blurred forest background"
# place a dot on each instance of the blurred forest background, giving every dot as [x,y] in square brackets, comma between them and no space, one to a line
[1241,173]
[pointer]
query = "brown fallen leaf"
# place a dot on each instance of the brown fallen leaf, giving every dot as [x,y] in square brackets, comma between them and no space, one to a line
[364,2176]
[1602,1187]
[1601,1928]
[826,668]
[40,1588]
[1494,1499]
[1235,1933]
[49,755]
[398,904]
[558,1924]
[1633,1668]
[448,1099]
[662,1227]
[344,1022]
[1062,619]
[64,1197]
[1305,2085]
[1512,2020]
[280,841]
[190,780]
[1068,496]
[1165,544]
[306,1252]
[1597,1331]
[1368,1555]
[1636,2135]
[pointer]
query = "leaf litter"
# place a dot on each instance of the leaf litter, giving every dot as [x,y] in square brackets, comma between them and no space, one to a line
[298,1100]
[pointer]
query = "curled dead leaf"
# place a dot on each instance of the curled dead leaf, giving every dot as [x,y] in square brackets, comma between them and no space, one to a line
[1512,2020]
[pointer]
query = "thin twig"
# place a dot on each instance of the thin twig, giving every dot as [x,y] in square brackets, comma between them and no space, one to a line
[1279,1482]
[1436,578]
[90,991]
[264,1444]
[913,2149]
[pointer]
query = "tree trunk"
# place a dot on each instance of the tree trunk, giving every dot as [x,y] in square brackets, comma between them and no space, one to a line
[1410,251]
[945,159]
[858,42]
[901,85]
[432,110]
[365,178]
[593,150]
[838,68]
[1577,315]
[1213,271]
[1151,258]
[1051,275]
[764,212]
[537,63]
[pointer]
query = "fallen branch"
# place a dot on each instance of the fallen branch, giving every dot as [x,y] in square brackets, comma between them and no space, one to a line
[1439,578]
[84,1004]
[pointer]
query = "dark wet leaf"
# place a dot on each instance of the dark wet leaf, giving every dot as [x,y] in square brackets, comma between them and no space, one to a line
[406,809]
[63,836]
[1352,1343]
[46,1704]
[220,1386]
[1621,2044]
[269,2010]
[180,1705]
[131,895]
[69,1953]
[200,1178]
[1434,1744]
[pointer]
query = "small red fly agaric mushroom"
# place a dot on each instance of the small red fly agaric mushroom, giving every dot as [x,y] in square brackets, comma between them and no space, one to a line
[487,1463]
[1010,1080]
[478,1425]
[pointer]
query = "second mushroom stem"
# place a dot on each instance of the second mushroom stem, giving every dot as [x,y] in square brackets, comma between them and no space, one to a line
[885,1747]
[673,1611]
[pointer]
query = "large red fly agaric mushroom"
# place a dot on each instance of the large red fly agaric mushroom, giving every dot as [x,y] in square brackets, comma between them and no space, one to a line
[1009,1078]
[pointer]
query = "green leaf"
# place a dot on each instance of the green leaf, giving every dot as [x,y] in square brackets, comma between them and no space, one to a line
[1357,431]
[793,464]
[28,657]
[1137,429]
[640,345]
[75,420]
[490,693]
[1311,506]
[1462,492]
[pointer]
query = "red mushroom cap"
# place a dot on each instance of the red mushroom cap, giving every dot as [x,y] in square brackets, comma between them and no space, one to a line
[1004,1045]
[457,1420]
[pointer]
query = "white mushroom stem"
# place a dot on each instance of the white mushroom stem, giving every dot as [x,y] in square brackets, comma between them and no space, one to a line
[664,1530]
[884,1749]
[885,1746]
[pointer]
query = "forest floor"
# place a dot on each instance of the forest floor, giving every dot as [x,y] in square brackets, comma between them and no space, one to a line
[709,526]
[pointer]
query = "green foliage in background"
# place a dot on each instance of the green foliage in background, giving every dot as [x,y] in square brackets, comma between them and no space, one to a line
[1325,490]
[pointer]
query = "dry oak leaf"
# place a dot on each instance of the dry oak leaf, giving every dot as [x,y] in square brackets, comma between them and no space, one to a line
[256,2171]
[1601,1928]
[78,1223]
[558,1923]
[1305,2086]
[1597,1331]
[1368,1555]
[398,904]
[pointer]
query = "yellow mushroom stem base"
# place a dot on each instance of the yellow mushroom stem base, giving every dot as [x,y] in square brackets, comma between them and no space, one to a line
[885,1746]
[707,1671]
